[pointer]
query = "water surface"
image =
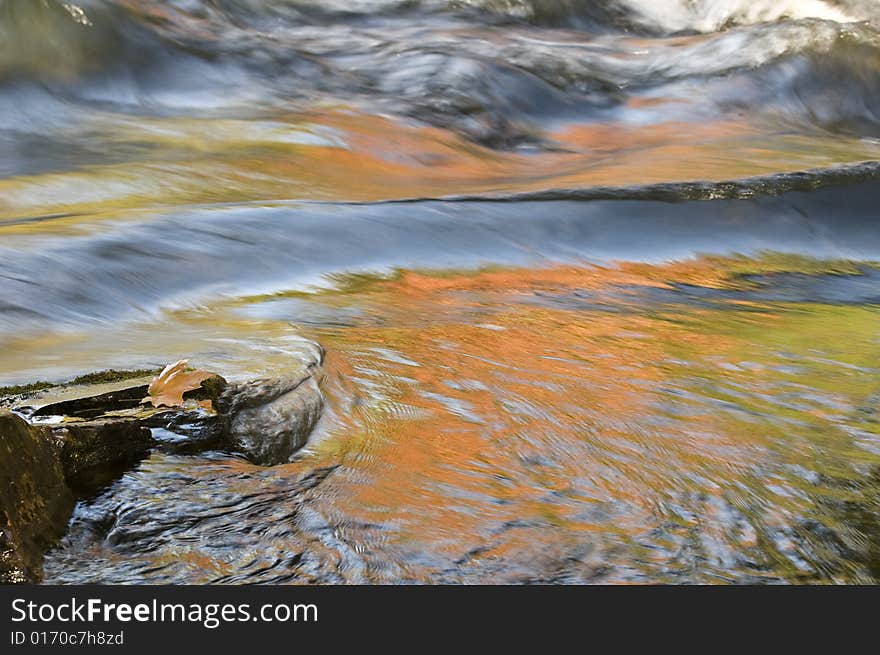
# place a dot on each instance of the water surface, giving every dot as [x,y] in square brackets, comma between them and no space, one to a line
[598,281]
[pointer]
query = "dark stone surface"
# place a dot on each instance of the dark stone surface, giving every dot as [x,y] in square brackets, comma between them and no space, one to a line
[95,406]
[94,453]
[190,432]
[269,420]
[43,469]
[35,502]
[210,389]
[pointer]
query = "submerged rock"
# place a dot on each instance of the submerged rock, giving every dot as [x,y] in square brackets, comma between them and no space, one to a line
[35,502]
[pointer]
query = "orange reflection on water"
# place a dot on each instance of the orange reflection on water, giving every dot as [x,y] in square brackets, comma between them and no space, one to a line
[529,415]
[342,155]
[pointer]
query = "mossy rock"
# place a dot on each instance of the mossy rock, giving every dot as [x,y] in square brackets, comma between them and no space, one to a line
[211,389]
[35,502]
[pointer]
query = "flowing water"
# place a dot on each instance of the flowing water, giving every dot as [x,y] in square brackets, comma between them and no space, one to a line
[598,281]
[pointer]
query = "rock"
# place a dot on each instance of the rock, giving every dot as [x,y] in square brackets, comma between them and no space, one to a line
[35,502]
[13,569]
[128,400]
[269,420]
[211,389]
[189,432]
[91,407]
[111,433]
[104,434]
[41,393]
[94,453]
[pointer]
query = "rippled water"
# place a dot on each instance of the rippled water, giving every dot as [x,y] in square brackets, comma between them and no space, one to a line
[586,318]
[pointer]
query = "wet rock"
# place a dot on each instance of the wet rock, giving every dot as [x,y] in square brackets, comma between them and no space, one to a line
[94,453]
[43,467]
[128,400]
[103,435]
[193,428]
[92,407]
[211,389]
[110,430]
[13,569]
[269,420]
[189,432]
[35,502]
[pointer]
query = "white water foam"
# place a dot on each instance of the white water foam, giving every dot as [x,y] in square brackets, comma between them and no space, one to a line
[713,15]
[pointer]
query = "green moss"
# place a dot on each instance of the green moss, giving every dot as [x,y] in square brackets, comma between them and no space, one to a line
[113,375]
[99,377]
[19,389]
[209,390]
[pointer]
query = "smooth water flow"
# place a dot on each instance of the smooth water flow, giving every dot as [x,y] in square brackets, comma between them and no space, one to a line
[586,320]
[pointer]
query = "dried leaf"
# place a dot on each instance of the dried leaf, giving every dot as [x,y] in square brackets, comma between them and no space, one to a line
[168,387]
